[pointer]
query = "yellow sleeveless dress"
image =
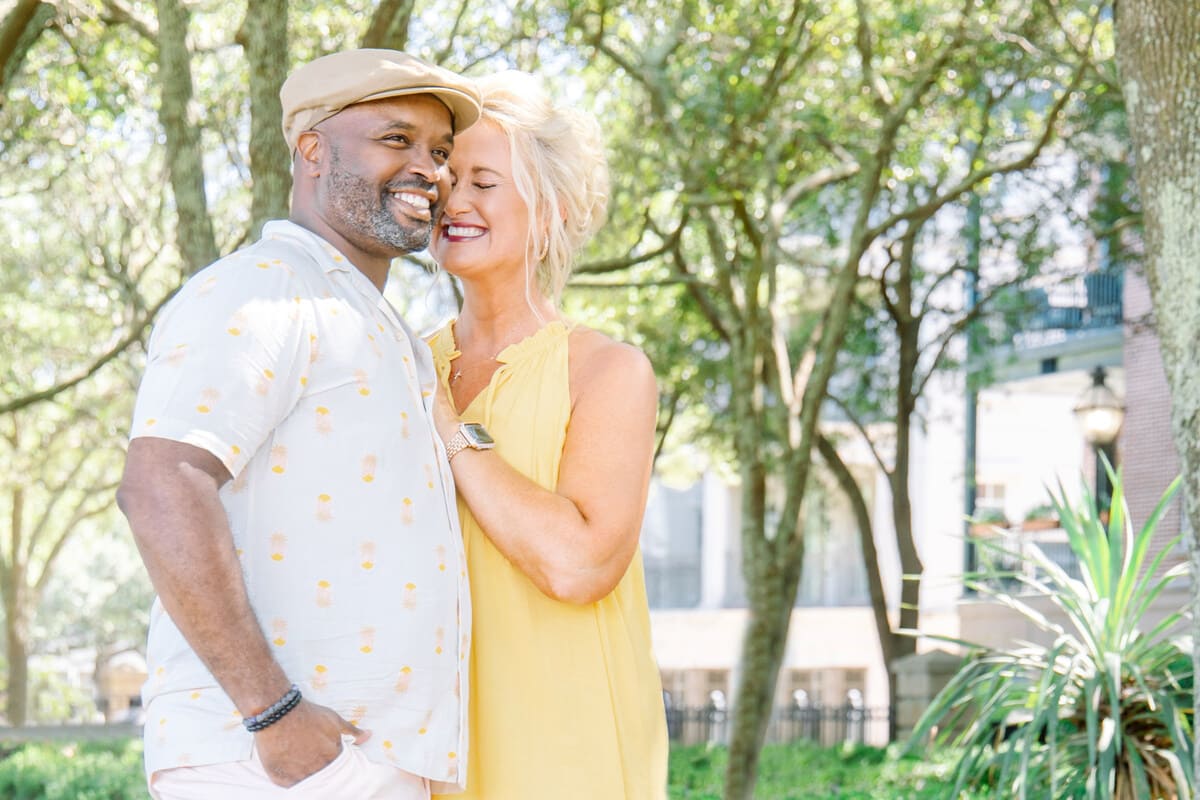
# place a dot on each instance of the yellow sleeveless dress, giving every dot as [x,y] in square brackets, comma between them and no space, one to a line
[566,700]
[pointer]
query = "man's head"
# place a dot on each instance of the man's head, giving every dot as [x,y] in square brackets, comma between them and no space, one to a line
[370,133]
[325,86]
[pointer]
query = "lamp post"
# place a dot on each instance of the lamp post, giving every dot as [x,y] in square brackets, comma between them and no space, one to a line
[1100,414]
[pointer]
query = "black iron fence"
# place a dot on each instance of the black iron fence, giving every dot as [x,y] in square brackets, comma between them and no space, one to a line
[824,725]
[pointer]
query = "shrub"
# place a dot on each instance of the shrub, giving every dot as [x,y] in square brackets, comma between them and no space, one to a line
[91,771]
[804,771]
[1102,711]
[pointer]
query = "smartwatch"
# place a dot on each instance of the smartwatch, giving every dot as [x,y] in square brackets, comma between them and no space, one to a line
[469,434]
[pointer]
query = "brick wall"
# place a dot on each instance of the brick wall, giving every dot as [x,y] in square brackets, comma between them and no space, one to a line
[1146,449]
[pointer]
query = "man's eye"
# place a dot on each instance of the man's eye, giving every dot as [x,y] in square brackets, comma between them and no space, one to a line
[444,155]
[397,137]
[485,185]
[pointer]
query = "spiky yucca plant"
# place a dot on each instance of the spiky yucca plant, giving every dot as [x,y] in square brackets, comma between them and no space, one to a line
[1104,710]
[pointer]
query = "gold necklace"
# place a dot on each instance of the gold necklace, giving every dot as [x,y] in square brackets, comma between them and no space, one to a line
[458,372]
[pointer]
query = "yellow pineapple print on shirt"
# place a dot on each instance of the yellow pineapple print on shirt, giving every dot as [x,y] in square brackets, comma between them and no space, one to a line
[424,729]
[324,507]
[263,387]
[324,422]
[314,348]
[320,677]
[441,557]
[237,324]
[368,468]
[177,355]
[208,399]
[357,713]
[403,680]
[324,594]
[366,552]
[366,639]
[207,286]
[364,386]
[406,511]
[278,546]
[439,640]
[279,631]
[403,425]
[278,460]
[409,599]
[429,476]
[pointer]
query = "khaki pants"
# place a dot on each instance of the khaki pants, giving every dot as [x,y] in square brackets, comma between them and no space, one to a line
[350,776]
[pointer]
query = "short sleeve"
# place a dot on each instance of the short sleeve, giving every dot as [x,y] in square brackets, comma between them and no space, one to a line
[227,359]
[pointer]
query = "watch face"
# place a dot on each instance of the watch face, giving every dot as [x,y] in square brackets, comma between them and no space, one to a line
[476,434]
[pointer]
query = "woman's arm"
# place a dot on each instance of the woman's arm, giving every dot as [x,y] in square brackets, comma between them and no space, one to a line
[575,543]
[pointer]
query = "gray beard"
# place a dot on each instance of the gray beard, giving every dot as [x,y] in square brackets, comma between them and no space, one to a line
[364,209]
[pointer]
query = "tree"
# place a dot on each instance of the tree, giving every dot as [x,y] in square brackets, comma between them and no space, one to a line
[785,153]
[1158,53]
[911,320]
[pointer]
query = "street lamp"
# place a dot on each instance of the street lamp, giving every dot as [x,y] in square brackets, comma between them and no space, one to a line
[1100,414]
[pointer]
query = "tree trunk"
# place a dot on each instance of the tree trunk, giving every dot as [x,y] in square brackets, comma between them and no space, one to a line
[194,235]
[16,639]
[22,26]
[264,36]
[16,632]
[762,653]
[389,25]
[1158,53]
[888,640]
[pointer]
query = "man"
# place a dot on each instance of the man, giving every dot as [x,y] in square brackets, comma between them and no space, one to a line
[284,483]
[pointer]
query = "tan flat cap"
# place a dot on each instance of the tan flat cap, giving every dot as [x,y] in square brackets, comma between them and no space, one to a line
[324,86]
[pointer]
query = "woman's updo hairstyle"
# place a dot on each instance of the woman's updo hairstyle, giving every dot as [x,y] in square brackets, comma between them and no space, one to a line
[559,169]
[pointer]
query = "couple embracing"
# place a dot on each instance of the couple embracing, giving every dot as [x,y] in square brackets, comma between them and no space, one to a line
[388,567]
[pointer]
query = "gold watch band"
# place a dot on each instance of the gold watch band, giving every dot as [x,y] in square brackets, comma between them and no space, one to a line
[458,443]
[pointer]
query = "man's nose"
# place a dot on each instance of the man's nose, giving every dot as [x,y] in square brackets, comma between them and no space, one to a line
[422,163]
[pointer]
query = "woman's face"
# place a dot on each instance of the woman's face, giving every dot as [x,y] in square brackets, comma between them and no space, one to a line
[485,225]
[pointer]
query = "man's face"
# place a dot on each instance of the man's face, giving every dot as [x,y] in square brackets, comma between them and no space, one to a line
[386,177]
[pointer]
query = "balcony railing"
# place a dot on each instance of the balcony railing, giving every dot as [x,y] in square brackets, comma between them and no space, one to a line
[1013,559]
[1094,302]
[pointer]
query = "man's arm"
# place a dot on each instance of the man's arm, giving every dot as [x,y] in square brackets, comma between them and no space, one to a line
[169,494]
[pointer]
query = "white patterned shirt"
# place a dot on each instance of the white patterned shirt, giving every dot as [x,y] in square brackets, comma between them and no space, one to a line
[285,362]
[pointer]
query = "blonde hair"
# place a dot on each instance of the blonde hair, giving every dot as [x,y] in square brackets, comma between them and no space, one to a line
[559,169]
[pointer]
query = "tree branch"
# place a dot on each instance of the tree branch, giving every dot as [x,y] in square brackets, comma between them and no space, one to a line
[22,27]
[389,25]
[136,331]
[932,206]
[866,534]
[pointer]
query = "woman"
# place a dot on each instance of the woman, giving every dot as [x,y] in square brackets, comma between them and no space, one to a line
[565,699]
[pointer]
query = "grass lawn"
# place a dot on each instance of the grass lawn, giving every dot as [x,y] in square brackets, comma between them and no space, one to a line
[113,771]
[802,771]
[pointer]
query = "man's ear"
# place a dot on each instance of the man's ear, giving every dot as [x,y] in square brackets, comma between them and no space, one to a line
[309,153]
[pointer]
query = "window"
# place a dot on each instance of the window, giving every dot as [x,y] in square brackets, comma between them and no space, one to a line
[671,541]
[833,572]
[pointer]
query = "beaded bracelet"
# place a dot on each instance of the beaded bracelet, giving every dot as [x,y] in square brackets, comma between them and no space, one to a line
[275,712]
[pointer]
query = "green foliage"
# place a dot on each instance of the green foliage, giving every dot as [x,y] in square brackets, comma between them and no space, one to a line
[92,771]
[803,771]
[1102,711]
[800,771]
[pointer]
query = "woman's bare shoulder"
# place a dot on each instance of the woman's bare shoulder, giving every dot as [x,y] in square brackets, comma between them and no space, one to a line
[600,363]
[596,350]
